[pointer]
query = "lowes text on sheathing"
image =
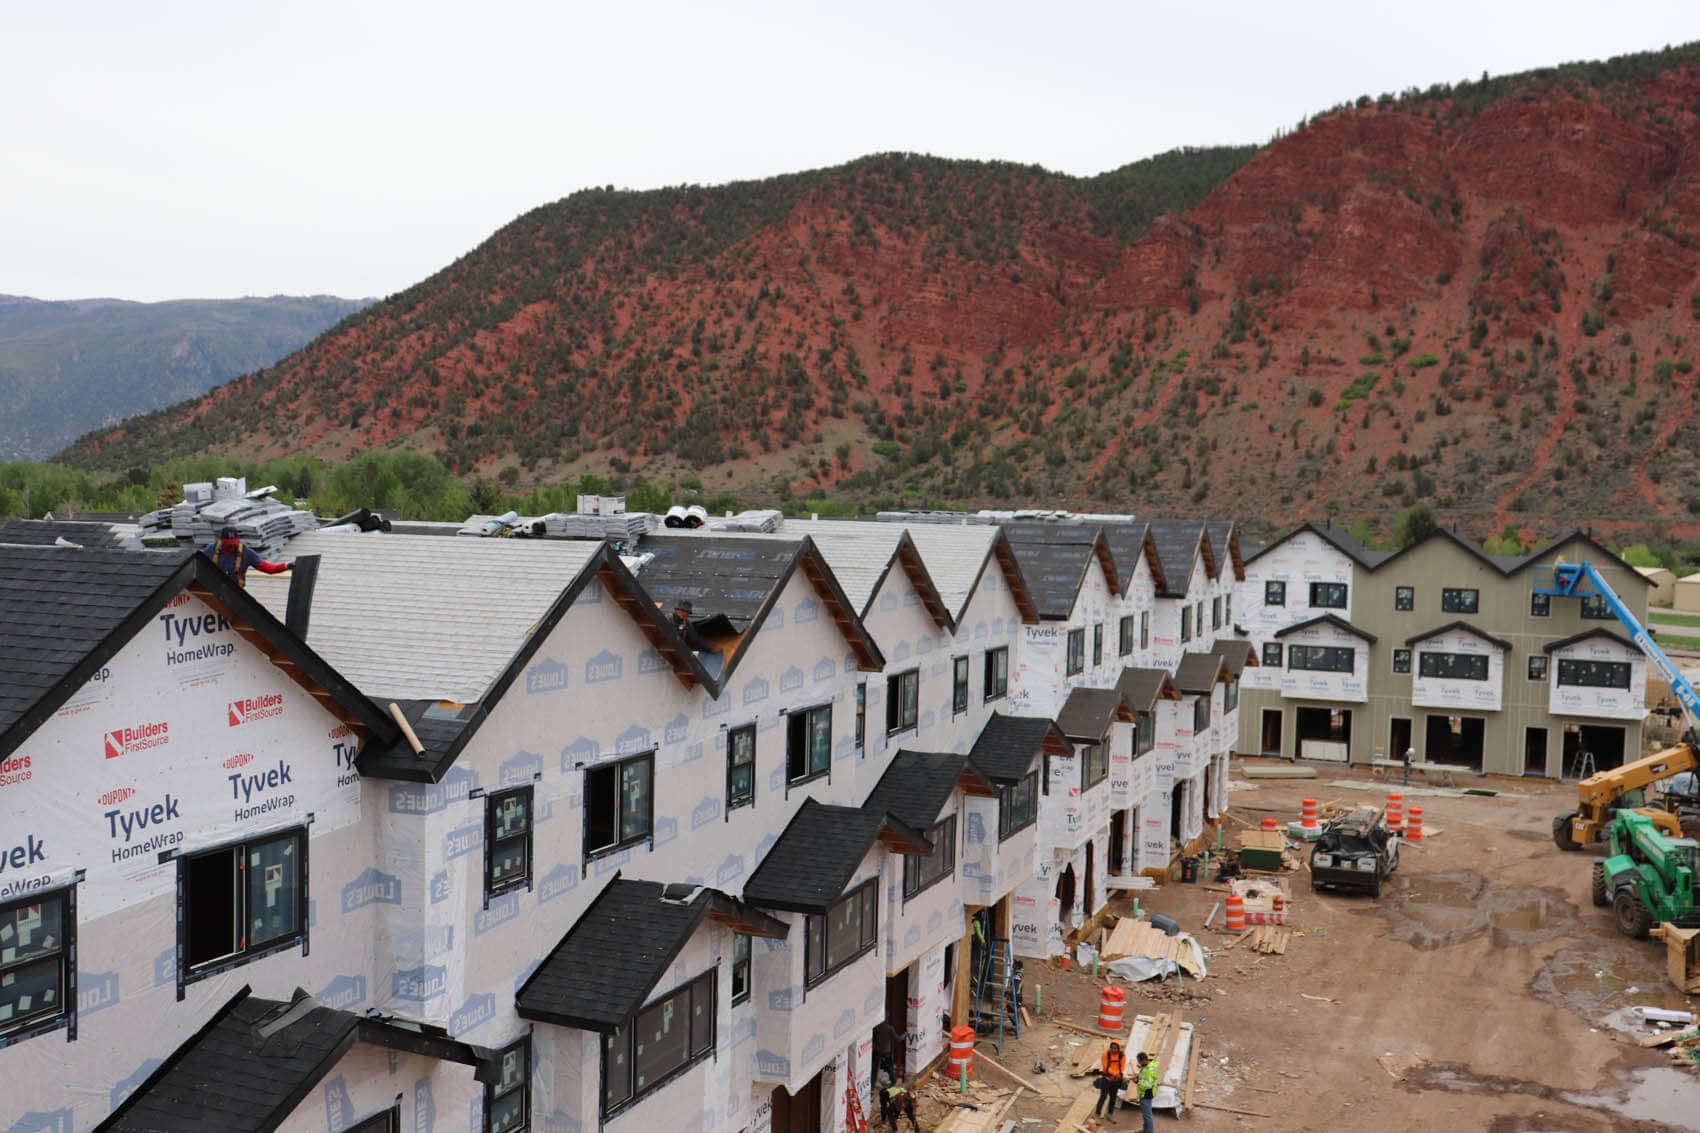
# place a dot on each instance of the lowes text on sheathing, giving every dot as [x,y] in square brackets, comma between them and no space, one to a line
[419,984]
[605,666]
[547,676]
[429,798]
[130,822]
[343,992]
[556,882]
[476,1011]
[96,991]
[462,841]
[371,887]
[502,910]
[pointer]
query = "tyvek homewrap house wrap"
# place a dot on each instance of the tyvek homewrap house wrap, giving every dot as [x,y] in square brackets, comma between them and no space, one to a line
[163,735]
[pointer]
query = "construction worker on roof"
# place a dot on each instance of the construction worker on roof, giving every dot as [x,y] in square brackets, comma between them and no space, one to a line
[234,558]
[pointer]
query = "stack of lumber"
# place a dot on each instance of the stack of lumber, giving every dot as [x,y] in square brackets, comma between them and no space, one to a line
[1170,1043]
[1140,938]
[1265,938]
[986,1116]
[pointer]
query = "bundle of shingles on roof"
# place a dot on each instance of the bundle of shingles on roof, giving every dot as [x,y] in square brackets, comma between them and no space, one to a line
[207,508]
[629,526]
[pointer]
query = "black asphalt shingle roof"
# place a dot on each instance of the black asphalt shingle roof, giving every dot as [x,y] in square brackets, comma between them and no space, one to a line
[1143,688]
[1337,537]
[43,532]
[1007,746]
[727,576]
[1200,672]
[1587,633]
[1179,543]
[1327,619]
[1087,714]
[1054,558]
[917,784]
[1127,542]
[1237,653]
[1473,631]
[1225,546]
[817,854]
[606,965]
[256,1060]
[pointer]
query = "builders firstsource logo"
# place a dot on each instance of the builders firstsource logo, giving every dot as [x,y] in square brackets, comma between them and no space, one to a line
[128,741]
[14,769]
[250,709]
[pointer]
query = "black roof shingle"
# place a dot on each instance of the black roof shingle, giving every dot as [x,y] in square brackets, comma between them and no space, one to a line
[606,965]
[1007,745]
[1328,619]
[917,784]
[1199,672]
[1473,631]
[1087,714]
[1144,687]
[818,852]
[1238,653]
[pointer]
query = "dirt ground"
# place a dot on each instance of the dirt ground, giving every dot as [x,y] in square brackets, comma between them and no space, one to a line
[1473,995]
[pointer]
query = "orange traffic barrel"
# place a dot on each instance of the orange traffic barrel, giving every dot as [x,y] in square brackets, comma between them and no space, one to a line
[961,1052]
[1270,824]
[1236,913]
[1110,1005]
[1414,825]
[1307,814]
[1395,810]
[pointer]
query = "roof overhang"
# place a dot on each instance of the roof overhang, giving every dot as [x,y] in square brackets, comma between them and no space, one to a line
[1465,627]
[1599,631]
[1328,619]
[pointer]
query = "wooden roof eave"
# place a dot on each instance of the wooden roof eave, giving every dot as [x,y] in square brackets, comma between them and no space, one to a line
[1013,579]
[916,570]
[659,641]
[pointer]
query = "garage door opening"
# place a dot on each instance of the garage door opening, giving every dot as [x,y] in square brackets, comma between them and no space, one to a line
[1325,733]
[1271,731]
[1455,739]
[1601,741]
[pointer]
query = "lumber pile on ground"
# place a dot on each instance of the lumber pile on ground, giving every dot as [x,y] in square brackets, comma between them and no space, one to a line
[1271,940]
[1141,938]
[983,1113]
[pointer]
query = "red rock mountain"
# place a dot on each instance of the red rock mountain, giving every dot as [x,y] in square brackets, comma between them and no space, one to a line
[1482,297]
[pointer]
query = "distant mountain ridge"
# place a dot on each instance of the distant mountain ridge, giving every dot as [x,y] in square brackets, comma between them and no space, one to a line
[68,366]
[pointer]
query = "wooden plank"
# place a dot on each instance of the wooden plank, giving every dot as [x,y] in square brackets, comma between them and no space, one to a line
[1076,1027]
[1191,1071]
[1076,1115]
[1231,1109]
[1026,1019]
[982,1056]
[1168,1052]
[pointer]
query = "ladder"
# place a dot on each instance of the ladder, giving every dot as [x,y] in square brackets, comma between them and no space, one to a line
[996,1005]
[854,1120]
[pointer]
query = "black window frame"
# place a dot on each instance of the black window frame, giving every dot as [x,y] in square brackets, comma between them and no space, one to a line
[816,968]
[1097,645]
[1010,820]
[1272,655]
[1402,662]
[997,665]
[1076,657]
[1094,765]
[1186,624]
[942,834]
[384,1121]
[903,701]
[734,797]
[1538,661]
[1429,666]
[740,967]
[621,841]
[245,953]
[1322,658]
[1275,592]
[494,837]
[1201,713]
[1593,607]
[1124,636]
[1540,605]
[1230,695]
[17,1029]
[1452,600]
[861,715]
[1145,629]
[958,685]
[704,985]
[500,1088]
[1216,612]
[1583,666]
[1404,599]
[1328,595]
[1144,732]
[800,721]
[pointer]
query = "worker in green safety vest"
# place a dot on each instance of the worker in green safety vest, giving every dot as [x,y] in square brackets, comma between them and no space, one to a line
[1146,1084]
[895,1101]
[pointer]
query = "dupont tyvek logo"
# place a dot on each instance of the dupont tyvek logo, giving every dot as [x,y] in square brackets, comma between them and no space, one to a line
[96,991]
[523,768]
[756,690]
[124,1087]
[901,653]
[474,1013]
[846,1023]
[666,829]
[676,729]
[463,840]
[140,829]
[429,798]
[343,992]
[791,679]
[126,741]
[548,675]
[743,1030]
[117,795]
[705,812]
[441,887]
[371,888]
[783,999]
[249,709]
[339,1107]
[730,870]
[769,1066]
[502,910]
[634,738]
[582,750]
[605,666]
[807,611]
[651,661]
[825,669]
[557,882]
[257,791]
[419,984]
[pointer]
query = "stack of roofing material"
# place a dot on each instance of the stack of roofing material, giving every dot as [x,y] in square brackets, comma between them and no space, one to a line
[509,524]
[260,521]
[629,526]
[765,520]
[940,517]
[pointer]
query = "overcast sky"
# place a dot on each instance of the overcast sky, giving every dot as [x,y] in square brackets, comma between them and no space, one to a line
[210,148]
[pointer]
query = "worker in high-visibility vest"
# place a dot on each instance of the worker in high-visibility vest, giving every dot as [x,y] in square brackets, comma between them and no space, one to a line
[1147,1087]
[1111,1079]
[896,1100]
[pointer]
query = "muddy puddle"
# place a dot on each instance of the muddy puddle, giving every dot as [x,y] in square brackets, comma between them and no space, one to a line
[1599,981]
[1661,1094]
[1439,910]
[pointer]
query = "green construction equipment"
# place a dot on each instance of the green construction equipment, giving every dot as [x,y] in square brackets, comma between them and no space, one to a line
[1649,876]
